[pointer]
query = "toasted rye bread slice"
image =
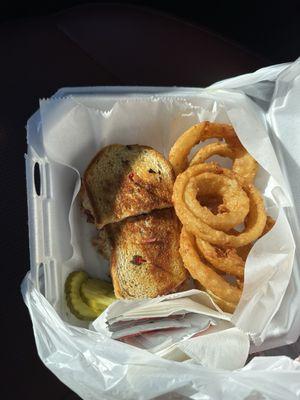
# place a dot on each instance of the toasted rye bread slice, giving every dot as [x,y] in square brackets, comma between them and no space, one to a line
[145,259]
[103,243]
[124,181]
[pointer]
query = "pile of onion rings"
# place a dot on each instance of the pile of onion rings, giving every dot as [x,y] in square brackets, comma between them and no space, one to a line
[212,203]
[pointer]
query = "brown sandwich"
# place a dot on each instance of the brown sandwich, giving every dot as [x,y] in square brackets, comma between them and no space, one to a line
[125,181]
[144,254]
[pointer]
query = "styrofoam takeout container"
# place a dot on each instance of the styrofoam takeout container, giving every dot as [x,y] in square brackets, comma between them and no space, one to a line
[48,213]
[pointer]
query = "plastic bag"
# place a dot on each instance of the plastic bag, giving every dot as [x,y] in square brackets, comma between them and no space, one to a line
[94,366]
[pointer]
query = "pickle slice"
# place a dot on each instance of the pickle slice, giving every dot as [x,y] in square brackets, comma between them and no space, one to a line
[75,303]
[97,293]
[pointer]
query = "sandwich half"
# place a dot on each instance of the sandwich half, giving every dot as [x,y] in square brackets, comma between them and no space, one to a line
[144,255]
[125,181]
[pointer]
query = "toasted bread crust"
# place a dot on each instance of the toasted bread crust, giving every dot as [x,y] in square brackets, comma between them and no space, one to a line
[145,260]
[123,181]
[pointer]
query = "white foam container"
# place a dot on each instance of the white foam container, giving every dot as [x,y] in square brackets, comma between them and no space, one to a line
[48,212]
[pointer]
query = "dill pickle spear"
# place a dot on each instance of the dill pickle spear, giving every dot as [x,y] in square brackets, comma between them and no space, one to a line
[97,293]
[74,300]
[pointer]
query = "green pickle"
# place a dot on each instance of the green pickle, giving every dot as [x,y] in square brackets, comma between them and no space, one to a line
[75,303]
[97,294]
[87,298]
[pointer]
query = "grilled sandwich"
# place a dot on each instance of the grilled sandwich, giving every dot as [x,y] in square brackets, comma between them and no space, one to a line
[125,181]
[145,260]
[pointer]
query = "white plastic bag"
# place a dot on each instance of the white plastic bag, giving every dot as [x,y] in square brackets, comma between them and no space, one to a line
[94,366]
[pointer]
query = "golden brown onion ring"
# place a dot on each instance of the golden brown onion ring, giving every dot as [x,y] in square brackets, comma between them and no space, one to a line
[243,164]
[212,149]
[225,260]
[243,251]
[231,261]
[256,218]
[235,205]
[212,282]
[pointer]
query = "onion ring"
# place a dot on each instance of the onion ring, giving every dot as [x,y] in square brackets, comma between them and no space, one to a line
[244,164]
[225,260]
[224,305]
[243,251]
[256,218]
[235,200]
[231,261]
[212,149]
[212,282]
